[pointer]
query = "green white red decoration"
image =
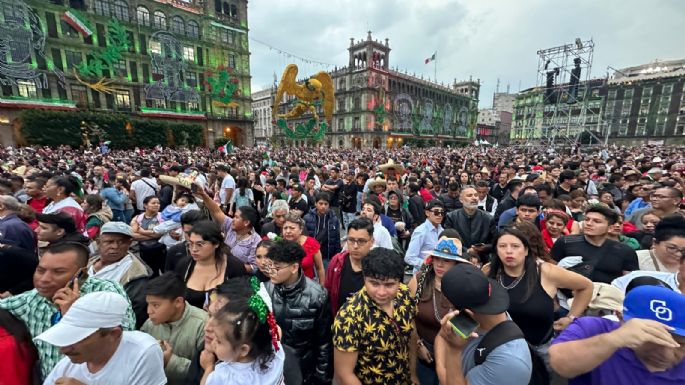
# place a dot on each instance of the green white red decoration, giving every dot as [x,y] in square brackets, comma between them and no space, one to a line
[65,105]
[159,113]
[76,20]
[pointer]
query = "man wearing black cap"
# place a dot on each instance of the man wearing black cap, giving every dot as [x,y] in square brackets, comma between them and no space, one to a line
[488,358]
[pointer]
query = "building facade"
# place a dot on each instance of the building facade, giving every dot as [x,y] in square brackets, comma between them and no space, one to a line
[158,59]
[646,103]
[378,107]
[262,113]
[637,105]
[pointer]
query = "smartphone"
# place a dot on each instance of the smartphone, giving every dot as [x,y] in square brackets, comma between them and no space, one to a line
[81,276]
[463,324]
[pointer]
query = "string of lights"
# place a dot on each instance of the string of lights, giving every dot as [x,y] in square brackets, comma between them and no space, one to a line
[292,55]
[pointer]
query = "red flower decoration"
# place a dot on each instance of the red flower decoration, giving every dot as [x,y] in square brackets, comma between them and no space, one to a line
[273,327]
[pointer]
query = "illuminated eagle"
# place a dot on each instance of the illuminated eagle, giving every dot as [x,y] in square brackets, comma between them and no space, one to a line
[314,92]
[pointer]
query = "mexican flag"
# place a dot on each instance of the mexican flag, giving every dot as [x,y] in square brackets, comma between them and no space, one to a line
[432,58]
[76,20]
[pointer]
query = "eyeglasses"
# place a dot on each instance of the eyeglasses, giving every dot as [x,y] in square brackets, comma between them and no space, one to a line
[438,212]
[196,245]
[659,196]
[357,242]
[673,249]
[273,269]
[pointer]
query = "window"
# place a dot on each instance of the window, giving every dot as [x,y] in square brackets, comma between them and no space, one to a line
[79,94]
[159,103]
[668,88]
[628,94]
[647,91]
[73,58]
[231,61]
[189,54]
[120,10]
[68,30]
[193,29]
[341,105]
[357,103]
[612,95]
[155,47]
[12,13]
[119,68]
[103,8]
[178,25]
[357,123]
[341,125]
[191,79]
[123,99]
[160,20]
[143,16]
[27,89]
[640,130]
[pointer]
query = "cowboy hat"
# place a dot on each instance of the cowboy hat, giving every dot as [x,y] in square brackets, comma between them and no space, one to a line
[392,166]
[379,181]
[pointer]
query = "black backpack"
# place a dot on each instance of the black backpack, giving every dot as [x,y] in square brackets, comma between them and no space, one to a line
[503,333]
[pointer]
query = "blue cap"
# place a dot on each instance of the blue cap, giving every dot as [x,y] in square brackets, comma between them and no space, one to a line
[656,303]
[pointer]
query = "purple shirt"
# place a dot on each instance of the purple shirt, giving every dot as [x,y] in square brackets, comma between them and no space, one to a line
[244,249]
[623,367]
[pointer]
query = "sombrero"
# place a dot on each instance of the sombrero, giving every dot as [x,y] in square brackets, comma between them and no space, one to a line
[183,180]
[391,166]
[377,182]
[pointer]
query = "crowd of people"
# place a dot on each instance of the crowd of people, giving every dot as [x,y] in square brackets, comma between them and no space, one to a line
[433,266]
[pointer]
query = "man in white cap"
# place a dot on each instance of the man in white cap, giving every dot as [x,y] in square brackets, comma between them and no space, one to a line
[98,350]
[116,263]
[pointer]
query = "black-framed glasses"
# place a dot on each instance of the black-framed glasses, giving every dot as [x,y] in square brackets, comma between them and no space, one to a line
[438,212]
[273,269]
[357,242]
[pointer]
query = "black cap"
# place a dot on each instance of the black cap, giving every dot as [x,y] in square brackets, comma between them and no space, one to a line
[466,287]
[61,220]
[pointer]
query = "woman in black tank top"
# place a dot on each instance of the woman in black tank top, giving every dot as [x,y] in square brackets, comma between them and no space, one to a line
[532,285]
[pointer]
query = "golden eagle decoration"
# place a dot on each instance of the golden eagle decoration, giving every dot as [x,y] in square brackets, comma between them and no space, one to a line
[314,93]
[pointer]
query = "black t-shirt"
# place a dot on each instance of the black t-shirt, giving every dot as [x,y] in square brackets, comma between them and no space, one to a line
[335,196]
[394,214]
[610,260]
[299,205]
[350,282]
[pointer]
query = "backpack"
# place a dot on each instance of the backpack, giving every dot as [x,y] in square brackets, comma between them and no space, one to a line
[503,333]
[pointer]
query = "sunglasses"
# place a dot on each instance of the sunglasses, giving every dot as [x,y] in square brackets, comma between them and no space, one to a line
[438,212]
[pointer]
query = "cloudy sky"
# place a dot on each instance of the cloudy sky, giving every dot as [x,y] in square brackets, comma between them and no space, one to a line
[486,39]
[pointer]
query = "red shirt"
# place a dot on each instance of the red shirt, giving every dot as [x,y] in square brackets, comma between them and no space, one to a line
[38,204]
[311,246]
[16,364]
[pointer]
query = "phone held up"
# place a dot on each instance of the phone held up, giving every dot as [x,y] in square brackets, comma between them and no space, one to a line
[463,324]
[81,276]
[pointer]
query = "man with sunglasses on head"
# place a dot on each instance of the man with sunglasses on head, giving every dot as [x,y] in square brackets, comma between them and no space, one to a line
[57,287]
[425,237]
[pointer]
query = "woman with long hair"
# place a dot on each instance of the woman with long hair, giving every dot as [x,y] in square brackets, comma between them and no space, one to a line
[59,189]
[242,196]
[293,230]
[532,286]
[431,304]
[555,227]
[208,264]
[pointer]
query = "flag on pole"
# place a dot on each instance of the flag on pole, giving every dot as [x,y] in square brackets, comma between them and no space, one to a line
[432,58]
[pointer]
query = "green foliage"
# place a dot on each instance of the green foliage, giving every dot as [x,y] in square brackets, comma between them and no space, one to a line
[54,128]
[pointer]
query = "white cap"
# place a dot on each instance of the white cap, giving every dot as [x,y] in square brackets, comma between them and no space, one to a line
[102,309]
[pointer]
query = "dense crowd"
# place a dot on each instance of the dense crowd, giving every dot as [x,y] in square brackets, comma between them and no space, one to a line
[478,265]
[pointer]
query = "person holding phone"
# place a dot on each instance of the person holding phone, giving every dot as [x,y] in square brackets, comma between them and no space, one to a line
[425,286]
[485,302]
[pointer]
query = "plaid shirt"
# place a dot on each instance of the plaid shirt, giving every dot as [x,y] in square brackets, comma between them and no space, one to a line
[37,312]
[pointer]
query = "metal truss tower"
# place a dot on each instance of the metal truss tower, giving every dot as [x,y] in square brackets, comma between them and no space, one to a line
[564,78]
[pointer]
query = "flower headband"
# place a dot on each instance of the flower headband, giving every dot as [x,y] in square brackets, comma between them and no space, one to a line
[260,303]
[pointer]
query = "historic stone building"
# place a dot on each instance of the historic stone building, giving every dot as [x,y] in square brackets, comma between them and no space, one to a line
[161,59]
[378,107]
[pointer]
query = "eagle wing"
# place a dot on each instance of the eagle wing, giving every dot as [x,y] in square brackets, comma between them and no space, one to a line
[288,85]
[328,94]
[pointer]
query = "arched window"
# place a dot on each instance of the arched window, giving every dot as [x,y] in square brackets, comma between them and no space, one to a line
[193,29]
[160,20]
[178,25]
[143,16]
[120,8]
[103,8]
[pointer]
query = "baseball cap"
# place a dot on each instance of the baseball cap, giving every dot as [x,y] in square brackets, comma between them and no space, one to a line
[61,220]
[93,311]
[117,228]
[658,304]
[466,287]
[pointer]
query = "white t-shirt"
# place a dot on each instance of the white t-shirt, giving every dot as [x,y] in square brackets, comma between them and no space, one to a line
[381,236]
[113,272]
[138,360]
[238,373]
[227,182]
[143,190]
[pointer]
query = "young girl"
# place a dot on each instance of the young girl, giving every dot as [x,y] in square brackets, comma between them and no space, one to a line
[262,249]
[246,341]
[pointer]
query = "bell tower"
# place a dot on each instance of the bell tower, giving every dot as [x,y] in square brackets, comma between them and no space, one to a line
[369,53]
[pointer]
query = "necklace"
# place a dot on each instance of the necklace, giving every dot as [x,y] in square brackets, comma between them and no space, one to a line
[514,283]
[438,317]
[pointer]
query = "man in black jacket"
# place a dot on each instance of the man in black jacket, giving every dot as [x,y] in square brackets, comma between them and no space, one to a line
[301,309]
[451,198]
[474,226]
[416,205]
[509,201]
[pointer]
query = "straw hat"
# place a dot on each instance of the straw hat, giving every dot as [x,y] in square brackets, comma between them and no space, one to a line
[379,181]
[391,166]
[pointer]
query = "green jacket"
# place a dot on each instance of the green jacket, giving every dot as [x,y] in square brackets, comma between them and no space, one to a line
[186,337]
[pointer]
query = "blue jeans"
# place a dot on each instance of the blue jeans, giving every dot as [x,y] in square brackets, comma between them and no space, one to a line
[347,218]
[426,374]
[118,216]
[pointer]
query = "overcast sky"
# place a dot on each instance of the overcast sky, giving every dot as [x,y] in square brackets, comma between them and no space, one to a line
[486,39]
